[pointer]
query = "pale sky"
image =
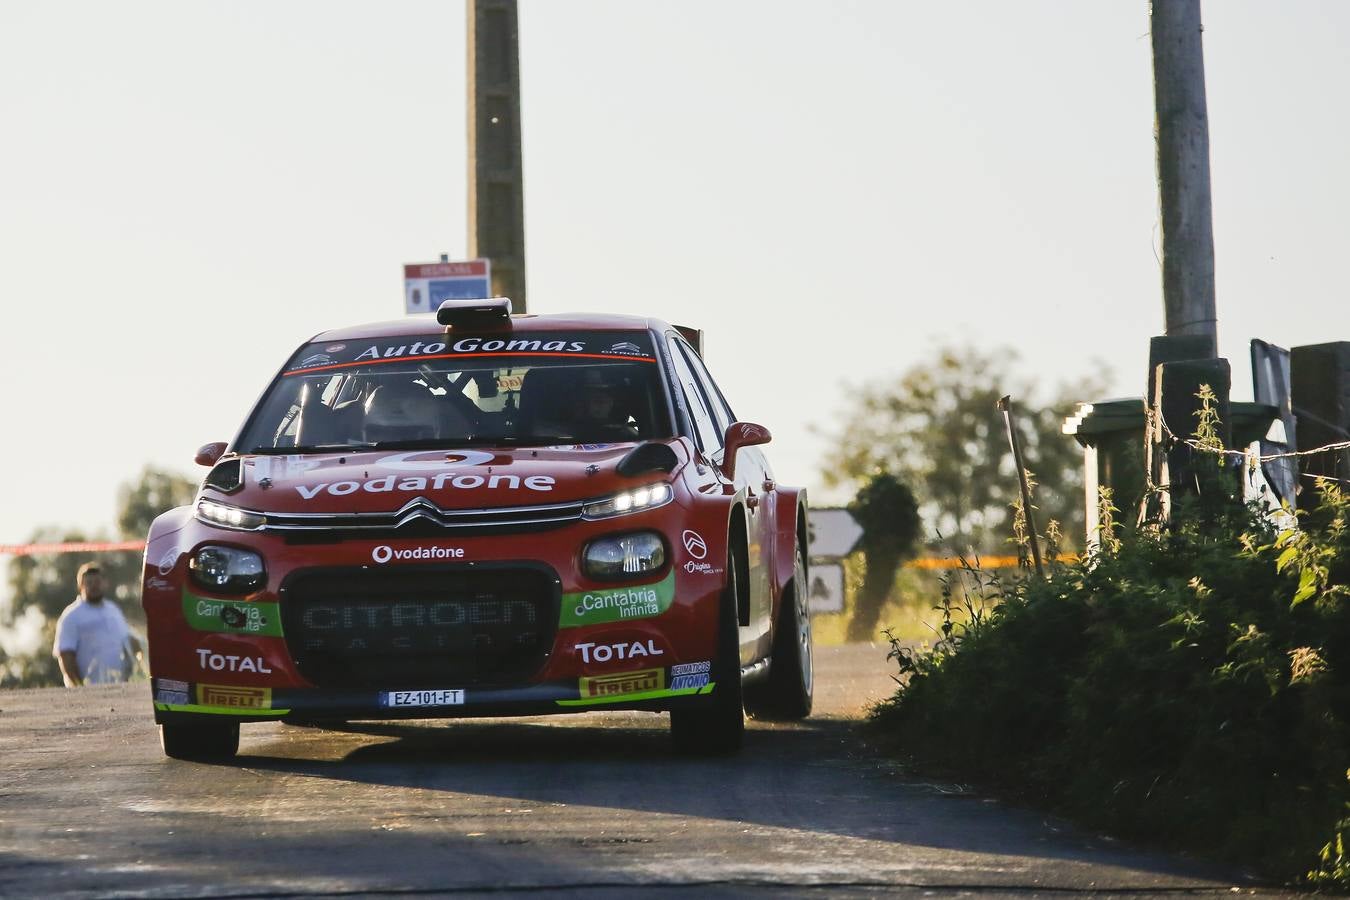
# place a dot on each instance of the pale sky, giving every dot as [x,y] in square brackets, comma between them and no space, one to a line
[188,190]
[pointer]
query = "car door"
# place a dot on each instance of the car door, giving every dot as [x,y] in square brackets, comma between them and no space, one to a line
[711,417]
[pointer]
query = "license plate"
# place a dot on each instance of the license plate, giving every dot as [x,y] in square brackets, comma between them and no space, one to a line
[396,699]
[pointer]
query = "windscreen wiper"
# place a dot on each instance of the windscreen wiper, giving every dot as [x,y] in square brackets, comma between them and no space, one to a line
[427,444]
[316,448]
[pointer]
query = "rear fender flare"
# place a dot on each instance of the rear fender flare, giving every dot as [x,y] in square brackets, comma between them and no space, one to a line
[791,516]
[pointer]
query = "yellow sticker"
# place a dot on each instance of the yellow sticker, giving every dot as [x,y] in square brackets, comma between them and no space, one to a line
[623,683]
[232,696]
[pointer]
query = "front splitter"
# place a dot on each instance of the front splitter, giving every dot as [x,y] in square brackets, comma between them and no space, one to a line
[175,699]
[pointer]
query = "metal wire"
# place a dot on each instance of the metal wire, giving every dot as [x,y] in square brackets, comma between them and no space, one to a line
[1246,454]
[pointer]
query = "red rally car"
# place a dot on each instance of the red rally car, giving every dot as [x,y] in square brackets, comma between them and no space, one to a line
[483,514]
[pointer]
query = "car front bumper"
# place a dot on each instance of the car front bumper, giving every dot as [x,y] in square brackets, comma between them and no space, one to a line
[331,634]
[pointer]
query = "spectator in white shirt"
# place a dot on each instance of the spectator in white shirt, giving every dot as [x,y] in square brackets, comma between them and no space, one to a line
[93,641]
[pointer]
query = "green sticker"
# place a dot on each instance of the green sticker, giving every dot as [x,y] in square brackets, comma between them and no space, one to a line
[217,710]
[231,616]
[644,695]
[617,604]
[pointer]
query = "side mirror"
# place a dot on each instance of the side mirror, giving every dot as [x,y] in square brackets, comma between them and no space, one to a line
[741,434]
[209,453]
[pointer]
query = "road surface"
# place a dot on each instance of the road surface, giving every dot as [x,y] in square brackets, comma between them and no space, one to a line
[594,806]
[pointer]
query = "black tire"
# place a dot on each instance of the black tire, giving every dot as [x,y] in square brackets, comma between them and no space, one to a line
[791,684]
[200,740]
[717,728]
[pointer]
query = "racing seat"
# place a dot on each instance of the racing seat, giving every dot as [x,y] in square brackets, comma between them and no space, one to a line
[402,410]
[318,425]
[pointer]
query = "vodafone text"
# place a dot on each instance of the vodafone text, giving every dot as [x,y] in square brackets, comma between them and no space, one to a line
[384,553]
[439,481]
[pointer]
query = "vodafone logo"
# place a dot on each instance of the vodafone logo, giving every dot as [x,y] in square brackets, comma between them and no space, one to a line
[420,460]
[694,543]
[384,553]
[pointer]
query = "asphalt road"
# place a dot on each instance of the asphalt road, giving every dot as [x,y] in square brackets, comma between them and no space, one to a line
[593,805]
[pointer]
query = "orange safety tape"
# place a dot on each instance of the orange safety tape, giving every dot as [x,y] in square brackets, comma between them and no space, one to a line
[71,547]
[930,562]
[982,562]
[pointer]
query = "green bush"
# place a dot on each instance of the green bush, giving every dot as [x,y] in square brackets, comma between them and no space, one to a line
[1188,686]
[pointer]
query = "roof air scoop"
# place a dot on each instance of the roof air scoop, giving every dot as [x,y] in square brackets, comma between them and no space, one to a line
[650,456]
[474,312]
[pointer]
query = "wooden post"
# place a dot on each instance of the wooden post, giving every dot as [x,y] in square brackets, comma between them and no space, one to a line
[1005,406]
[496,178]
[1163,349]
[1182,130]
[1176,407]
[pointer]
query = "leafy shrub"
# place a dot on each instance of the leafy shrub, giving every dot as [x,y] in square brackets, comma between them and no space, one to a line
[1189,686]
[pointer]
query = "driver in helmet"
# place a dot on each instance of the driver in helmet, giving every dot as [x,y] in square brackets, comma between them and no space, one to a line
[597,410]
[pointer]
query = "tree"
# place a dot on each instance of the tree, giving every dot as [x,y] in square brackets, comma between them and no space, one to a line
[42,585]
[889,517]
[153,492]
[937,428]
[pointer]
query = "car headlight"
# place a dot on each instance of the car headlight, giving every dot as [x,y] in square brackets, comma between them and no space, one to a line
[624,555]
[227,570]
[636,500]
[227,516]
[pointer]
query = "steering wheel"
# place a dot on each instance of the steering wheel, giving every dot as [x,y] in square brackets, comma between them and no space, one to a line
[429,376]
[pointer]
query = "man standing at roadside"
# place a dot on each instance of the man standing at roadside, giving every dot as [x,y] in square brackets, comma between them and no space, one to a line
[93,641]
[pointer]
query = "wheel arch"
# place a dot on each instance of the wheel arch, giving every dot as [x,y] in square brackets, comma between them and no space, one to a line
[738,538]
[793,532]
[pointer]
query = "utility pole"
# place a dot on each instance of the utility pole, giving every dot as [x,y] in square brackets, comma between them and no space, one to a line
[1187,353]
[1182,128]
[496,177]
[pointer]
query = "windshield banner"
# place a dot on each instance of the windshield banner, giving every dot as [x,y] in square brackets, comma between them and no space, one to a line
[618,346]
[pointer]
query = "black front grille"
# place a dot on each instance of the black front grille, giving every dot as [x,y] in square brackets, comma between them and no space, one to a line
[419,627]
[420,515]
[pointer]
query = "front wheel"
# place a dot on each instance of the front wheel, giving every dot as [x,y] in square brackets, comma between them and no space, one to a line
[204,740]
[718,728]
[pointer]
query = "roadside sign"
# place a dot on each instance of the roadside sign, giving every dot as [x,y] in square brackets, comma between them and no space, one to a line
[833,532]
[425,285]
[827,588]
[1270,384]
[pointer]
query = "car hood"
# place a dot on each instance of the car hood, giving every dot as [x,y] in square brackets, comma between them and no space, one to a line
[478,478]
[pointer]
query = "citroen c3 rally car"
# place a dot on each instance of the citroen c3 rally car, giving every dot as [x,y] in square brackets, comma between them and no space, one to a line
[482,514]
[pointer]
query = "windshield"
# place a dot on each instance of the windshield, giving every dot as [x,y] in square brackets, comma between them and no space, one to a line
[532,389]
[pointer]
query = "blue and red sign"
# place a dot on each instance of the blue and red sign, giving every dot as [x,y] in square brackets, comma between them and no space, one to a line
[426,285]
